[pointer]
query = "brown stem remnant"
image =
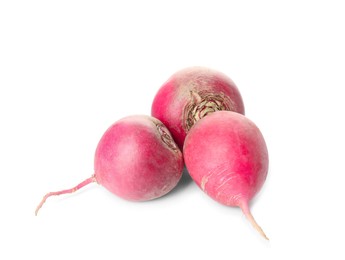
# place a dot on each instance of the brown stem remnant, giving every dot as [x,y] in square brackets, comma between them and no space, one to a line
[166,137]
[202,103]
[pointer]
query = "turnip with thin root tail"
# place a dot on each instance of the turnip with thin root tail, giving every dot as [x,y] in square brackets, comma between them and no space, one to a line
[226,155]
[136,159]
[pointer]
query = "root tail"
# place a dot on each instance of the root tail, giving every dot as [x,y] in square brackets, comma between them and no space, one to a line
[55,193]
[249,216]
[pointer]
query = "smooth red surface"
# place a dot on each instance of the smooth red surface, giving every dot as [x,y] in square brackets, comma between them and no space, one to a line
[226,155]
[173,96]
[134,163]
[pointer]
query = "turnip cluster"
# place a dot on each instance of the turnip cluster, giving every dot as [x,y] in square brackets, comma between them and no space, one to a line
[197,120]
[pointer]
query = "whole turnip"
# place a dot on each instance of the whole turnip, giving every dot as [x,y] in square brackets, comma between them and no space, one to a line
[136,159]
[191,94]
[226,155]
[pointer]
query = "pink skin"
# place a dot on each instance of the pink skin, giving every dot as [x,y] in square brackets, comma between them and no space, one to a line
[189,95]
[226,155]
[136,159]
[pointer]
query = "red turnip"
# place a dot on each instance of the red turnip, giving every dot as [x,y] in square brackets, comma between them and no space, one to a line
[191,94]
[136,159]
[226,155]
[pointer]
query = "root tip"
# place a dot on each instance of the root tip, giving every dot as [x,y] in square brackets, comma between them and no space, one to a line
[249,216]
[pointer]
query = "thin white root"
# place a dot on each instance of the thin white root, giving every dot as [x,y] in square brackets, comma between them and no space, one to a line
[249,216]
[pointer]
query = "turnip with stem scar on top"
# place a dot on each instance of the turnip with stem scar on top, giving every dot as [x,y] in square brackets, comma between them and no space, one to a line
[226,155]
[136,159]
[189,95]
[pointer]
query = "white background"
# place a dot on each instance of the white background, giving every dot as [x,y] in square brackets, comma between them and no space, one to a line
[69,69]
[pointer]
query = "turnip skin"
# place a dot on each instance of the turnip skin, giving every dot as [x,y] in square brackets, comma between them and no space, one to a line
[226,155]
[136,159]
[192,93]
